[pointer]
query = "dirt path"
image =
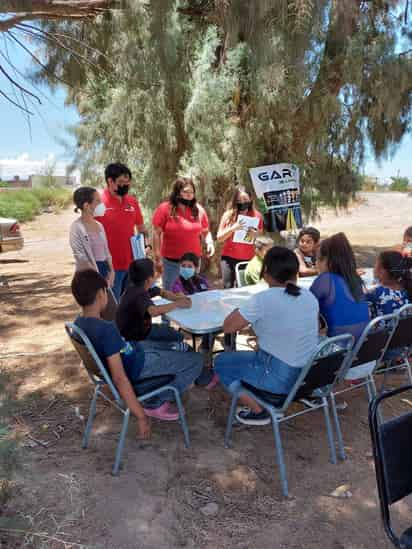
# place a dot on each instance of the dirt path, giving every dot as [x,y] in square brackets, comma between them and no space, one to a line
[157,501]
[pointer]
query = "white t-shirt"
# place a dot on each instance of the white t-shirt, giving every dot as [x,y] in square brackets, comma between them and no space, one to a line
[287,327]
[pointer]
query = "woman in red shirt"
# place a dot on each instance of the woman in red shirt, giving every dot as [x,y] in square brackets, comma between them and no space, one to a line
[179,226]
[235,252]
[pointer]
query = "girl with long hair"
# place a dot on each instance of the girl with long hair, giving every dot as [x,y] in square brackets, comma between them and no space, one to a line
[236,252]
[179,226]
[284,318]
[339,288]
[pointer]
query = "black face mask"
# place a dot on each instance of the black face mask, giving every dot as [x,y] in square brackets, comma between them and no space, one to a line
[243,206]
[187,202]
[122,190]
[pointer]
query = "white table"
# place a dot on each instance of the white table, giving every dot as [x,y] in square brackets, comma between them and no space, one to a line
[209,309]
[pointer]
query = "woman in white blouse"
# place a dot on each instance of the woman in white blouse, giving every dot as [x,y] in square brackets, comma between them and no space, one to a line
[87,236]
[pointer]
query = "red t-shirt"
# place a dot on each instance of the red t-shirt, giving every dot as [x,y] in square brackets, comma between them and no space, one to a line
[180,234]
[237,250]
[119,222]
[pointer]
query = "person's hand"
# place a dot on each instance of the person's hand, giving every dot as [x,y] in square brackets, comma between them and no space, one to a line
[179,294]
[184,302]
[144,430]
[210,249]
[158,265]
[110,279]
[239,225]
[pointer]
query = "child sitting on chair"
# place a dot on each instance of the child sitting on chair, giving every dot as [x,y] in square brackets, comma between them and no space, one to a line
[394,290]
[135,312]
[136,309]
[128,364]
[306,252]
[253,271]
[189,281]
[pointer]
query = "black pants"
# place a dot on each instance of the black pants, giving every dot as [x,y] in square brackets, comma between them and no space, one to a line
[228,265]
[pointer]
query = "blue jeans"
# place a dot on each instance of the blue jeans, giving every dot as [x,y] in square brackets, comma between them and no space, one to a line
[186,367]
[170,273]
[103,268]
[162,338]
[120,278]
[258,368]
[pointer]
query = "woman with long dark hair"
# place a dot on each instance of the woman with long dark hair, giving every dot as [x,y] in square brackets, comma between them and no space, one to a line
[179,226]
[285,320]
[339,288]
[236,252]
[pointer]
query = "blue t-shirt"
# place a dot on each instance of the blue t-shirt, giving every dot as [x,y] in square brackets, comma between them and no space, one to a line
[386,301]
[107,341]
[343,314]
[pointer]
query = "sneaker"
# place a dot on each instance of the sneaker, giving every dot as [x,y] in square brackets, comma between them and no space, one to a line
[165,412]
[342,405]
[252,418]
[311,402]
[181,346]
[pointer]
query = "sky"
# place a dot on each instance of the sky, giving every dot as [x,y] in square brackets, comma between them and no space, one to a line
[25,151]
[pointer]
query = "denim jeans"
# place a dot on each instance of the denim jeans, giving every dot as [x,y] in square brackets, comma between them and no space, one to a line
[170,273]
[103,268]
[186,367]
[258,368]
[162,338]
[120,278]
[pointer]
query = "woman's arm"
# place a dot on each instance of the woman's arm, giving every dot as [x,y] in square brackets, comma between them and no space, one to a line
[127,393]
[157,239]
[234,322]
[225,231]
[79,253]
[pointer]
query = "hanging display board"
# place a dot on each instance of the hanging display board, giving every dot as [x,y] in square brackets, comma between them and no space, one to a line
[278,196]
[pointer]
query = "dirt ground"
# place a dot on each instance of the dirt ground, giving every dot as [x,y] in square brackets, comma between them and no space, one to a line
[64,496]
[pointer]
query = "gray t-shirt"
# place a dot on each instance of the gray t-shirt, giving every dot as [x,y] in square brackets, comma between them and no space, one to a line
[287,327]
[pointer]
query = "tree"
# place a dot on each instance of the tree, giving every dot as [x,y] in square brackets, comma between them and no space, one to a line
[214,87]
[400,184]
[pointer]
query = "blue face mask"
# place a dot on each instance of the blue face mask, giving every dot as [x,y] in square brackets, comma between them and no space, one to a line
[187,272]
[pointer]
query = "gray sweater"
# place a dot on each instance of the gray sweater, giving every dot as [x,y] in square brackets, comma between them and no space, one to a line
[80,245]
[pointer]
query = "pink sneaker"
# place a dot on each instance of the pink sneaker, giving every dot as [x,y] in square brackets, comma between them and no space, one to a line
[212,383]
[165,412]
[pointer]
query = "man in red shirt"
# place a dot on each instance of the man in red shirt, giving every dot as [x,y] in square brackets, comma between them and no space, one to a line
[122,219]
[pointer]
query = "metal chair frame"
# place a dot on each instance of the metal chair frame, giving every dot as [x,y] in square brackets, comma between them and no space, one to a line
[239,269]
[374,326]
[341,344]
[100,378]
[390,492]
[403,314]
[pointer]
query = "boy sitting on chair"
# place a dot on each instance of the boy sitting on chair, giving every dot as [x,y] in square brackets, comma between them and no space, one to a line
[128,364]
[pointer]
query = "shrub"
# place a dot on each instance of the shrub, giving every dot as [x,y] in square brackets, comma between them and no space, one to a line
[25,204]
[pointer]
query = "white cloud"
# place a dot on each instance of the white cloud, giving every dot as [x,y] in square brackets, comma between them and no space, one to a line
[24,166]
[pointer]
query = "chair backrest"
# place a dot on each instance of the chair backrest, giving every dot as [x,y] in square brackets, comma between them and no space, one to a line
[393,458]
[402,336]
[111,308]
[323,368]
[374,341]
[90,359]
[240,273]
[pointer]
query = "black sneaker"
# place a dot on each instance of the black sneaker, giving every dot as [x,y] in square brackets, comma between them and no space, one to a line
[311,402]
[247,417]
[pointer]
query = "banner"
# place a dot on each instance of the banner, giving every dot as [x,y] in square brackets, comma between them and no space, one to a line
[278,196]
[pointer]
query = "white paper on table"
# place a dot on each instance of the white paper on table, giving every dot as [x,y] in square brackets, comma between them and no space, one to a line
[249,223]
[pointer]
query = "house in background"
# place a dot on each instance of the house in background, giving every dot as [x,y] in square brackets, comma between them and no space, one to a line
[34,181]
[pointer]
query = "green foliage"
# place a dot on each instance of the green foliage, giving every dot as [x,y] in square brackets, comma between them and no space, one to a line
[214,88]
[400,184]
[25,204]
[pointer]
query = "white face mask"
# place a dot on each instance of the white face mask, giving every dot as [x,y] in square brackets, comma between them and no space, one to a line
[99,210]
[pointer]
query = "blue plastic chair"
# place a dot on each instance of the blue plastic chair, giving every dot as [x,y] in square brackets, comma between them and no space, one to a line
[314,382]
[145,389]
